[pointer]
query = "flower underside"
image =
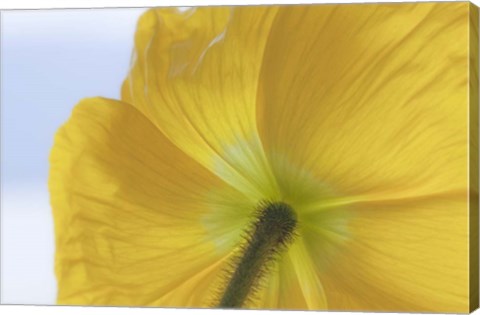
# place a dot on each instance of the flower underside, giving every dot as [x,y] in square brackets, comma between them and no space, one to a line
[355,116]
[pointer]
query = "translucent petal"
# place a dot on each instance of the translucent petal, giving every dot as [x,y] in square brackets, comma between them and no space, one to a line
[130,211]
[195,75]
[402,255]
[371,99]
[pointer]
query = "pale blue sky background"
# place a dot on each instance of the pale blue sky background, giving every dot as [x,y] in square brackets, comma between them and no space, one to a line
[50,59]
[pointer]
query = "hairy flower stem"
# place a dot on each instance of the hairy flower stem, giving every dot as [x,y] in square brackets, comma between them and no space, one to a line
[270,233]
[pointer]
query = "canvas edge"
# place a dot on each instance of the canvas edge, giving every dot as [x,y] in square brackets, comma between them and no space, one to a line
[473,100]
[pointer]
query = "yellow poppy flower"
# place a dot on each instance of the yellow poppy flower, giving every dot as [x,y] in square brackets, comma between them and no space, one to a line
[353,118]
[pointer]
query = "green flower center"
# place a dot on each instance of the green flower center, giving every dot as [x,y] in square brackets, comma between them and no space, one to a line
[320,216]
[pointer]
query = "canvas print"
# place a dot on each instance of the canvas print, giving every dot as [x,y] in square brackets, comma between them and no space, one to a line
[285,157]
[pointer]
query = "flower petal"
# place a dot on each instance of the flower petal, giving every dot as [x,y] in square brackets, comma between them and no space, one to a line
[129,209]
[404,255]
[195,76]
[308,277]
[371,99]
